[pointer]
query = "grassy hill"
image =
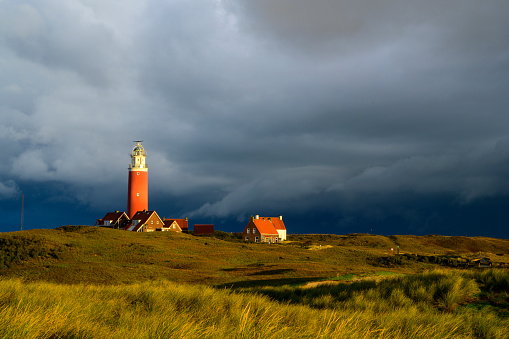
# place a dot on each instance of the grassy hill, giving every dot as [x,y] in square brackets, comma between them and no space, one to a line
[88,282]
[81,254]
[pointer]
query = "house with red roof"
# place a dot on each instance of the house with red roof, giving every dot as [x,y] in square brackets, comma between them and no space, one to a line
[144,221]
[280,226]
[117,220]
[170,225]
[182,224]
[265,229]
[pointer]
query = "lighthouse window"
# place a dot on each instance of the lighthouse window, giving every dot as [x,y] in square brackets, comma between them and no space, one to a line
[137,173]
[137,194]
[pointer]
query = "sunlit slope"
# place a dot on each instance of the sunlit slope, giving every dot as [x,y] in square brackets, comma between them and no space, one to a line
[74,254]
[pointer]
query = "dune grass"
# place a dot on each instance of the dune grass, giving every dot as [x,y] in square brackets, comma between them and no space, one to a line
[457,304]
[88,282]
[433,304]
[163,310]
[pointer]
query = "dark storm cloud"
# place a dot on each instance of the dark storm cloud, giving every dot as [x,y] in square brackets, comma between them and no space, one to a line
[459,27]
[325,110]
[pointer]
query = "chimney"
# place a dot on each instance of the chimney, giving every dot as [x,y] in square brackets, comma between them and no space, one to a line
[257,217]
[280,217]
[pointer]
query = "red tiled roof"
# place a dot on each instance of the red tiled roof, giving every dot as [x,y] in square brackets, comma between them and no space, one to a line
[142,216]
[278,223]
[265,226]
[113,216]
[169,222]
[183,223]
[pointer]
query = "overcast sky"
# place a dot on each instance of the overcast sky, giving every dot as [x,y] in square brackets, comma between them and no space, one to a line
[385,117]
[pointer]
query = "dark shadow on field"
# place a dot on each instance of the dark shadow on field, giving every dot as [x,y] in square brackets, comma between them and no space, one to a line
[274,272]
[257,269]
[268,282]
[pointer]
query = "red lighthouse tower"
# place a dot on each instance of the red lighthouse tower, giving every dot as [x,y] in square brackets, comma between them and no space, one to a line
[137,191]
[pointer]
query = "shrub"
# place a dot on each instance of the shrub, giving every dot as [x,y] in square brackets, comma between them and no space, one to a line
[494,280]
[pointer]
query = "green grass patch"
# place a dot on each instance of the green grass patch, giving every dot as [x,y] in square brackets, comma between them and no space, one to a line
[348,276]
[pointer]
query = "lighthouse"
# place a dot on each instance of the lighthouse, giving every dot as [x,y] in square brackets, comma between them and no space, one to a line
[137,191]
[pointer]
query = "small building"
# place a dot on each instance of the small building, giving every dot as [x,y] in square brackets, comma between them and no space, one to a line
[481,262]
[117,220]
[263,229]
[201,229]
[170,225]
[280,226]
[144,221]
[182,223]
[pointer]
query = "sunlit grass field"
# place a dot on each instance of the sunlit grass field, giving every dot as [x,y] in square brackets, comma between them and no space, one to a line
[88,282]
[435,304]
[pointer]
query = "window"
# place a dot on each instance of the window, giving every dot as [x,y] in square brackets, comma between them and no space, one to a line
[247,230]
[152,222]
[137,173]
[247,238]
[137,194]
[257,240]
[254,230]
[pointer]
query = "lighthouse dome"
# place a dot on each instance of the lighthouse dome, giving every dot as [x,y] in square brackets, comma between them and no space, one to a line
[138,150]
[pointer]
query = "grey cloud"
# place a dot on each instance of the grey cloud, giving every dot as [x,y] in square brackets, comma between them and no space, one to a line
[8,189]
[64,36]
[460,26]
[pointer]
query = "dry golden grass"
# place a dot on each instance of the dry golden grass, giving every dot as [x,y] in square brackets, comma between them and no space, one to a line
[87,282]
[435,304]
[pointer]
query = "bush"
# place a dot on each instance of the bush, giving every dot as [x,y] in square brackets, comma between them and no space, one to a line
[16,249]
